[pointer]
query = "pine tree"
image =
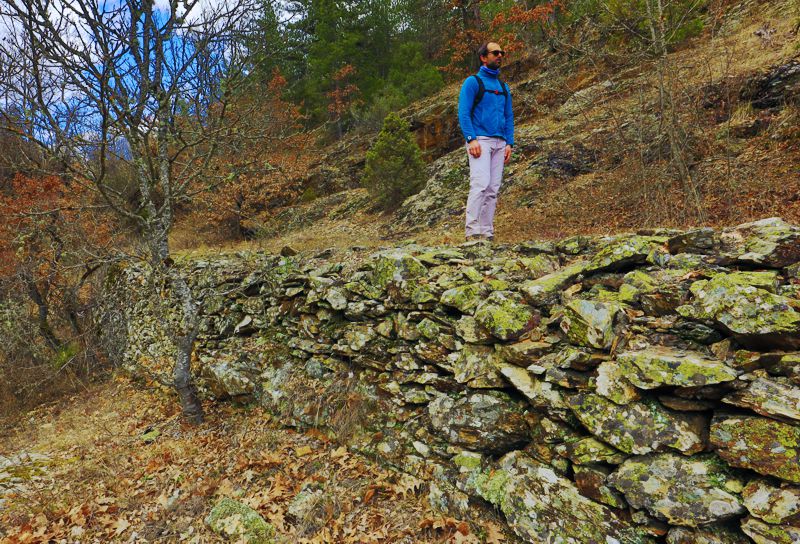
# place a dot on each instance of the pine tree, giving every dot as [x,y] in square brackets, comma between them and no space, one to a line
[394,167]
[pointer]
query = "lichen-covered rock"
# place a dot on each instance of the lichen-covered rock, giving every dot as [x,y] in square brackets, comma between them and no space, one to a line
[770,398]
[657,366]
[469,330]
[680,490]
[590,323]
[639,427]
[466,297]
[706,535]
[541,506]
[750,312]
[772,503]
[612,384]
[591,482]
[525,352]
[765,533]
[477,367]
[658,292]
[506,315]
[700,240]
[590,450]
[227,378]
[541,395]
[767,446]
[769,242]
[238,521]
[622,252]
[547,289]
[396,267]
[488,422]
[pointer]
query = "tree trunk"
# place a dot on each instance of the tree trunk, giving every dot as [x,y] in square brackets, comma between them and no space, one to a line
[186,334]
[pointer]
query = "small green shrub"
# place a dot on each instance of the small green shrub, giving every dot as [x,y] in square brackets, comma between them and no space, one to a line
[394,169]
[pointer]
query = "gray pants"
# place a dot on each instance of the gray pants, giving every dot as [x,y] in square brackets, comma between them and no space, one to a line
[485,175]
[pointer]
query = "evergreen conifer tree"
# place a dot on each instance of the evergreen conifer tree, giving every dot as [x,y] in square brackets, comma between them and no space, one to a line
[394,168]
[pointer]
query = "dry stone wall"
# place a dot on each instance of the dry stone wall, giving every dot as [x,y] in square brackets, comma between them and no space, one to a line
[627,389]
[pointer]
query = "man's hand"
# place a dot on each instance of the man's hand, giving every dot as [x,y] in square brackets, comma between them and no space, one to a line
[508,154]
[474,148]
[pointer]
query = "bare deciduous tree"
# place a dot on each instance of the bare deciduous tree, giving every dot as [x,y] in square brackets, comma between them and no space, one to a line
[149,85]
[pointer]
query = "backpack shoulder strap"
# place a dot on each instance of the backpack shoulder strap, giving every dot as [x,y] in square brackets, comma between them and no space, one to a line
[479,94]
[504,87]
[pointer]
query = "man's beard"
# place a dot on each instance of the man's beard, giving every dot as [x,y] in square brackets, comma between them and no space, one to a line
[493,65]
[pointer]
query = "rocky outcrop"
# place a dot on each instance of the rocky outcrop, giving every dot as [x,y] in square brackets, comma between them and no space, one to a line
[614,389]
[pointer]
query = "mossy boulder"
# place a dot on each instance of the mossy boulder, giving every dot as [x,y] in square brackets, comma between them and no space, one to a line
[657,366]
[239,522]
[506,315]
[542,506]
[690,491]
[764,445]
[639,427]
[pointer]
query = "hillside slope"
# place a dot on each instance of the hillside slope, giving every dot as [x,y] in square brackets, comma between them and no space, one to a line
[588,159]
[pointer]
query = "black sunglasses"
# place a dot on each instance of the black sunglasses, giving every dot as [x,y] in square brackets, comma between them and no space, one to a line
[498,52]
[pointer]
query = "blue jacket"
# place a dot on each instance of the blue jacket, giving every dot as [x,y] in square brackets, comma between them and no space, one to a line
[493,116]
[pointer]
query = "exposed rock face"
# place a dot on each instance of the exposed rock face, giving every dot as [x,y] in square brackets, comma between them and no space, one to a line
[593,389]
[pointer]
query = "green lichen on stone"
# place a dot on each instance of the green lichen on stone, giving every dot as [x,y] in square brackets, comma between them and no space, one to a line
[766,533]
[689,491]
[764,445]
[547,289]
[428,329]
[468,461]
[493,487]
[639,427]
[466,297]
[623,252]
[396,267]
[505,315]
[657,366]
[742,309]
[235,520]
[591,323]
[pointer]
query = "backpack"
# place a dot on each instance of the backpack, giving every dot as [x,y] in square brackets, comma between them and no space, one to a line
[482,91]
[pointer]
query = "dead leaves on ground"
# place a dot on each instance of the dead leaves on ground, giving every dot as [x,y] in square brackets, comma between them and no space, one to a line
[110,486]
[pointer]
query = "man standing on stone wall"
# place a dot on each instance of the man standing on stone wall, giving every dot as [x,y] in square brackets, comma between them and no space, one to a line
[487,122]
